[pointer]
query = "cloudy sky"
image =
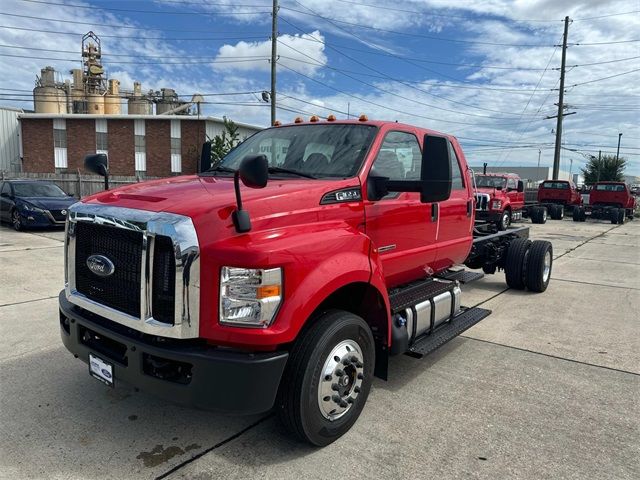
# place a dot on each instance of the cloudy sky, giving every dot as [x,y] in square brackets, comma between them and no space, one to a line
[487,72]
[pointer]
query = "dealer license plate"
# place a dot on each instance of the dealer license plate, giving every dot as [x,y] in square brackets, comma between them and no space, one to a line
[101,370]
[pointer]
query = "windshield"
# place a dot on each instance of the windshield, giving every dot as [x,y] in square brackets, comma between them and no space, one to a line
[608,187]
[37,190]
[487,181]
[316,150]
[556,185]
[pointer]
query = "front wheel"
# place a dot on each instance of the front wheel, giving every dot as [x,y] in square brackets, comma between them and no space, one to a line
[16,221]
[539,263]
[327,379]
[505,220]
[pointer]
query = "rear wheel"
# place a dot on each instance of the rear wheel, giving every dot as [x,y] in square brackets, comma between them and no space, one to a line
[489,269]
[539,215]
[613,216]
[577,214]
[515,263]
[327,378]
[559,212]
[621,215]
[16,221]
[539,263]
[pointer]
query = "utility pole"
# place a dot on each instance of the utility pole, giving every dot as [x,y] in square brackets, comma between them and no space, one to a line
[274,56]
[556,153]
[599,160]
[538,169]
[618,152]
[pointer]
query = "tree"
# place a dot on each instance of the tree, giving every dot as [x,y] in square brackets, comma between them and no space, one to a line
[223,142]
[605,169]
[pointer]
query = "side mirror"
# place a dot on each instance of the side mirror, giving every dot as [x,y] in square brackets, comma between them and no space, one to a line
[98,163]
[205,157]
[254,171]
[520,186]
[436,170]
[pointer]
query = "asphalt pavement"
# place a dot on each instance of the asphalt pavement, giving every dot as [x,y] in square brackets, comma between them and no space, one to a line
[548,386]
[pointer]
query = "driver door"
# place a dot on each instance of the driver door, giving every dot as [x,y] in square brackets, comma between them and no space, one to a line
[403,229]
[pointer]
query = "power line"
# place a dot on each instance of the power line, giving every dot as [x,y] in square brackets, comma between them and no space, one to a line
[229,60]
[153,12]
[605,78]
[582,44]
[123,37]
[103,25]
[417,35]
[605,16]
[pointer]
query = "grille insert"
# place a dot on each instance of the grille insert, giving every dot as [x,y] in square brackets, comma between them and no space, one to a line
[164,280]
[123,247]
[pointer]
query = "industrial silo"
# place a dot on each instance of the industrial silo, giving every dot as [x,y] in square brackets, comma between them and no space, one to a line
[138,104]
[112,104]
[95,103]
[49,96]
[79,102]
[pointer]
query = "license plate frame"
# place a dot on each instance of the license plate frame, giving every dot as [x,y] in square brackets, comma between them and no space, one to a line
[101,370]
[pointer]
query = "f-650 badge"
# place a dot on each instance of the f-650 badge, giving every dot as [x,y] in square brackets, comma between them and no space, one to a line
[100,265]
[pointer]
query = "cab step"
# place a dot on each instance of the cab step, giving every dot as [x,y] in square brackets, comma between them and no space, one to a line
[465,320]
[417,292]
[463,276]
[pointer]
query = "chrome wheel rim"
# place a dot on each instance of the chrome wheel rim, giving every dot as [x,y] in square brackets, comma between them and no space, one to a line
[505,220]
[340,380]
[547,266]
[15,220]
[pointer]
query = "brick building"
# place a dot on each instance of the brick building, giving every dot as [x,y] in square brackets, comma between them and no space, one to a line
[142,145]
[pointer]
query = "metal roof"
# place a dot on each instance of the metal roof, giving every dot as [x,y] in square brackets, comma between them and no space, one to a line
[89,116]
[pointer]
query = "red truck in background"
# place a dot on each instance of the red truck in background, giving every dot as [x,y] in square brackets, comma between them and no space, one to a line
[557,196]
[287,274]
[499,198]
[608,201]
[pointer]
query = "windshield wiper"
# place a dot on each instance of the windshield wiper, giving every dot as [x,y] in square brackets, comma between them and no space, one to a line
[292,172]
[221,168]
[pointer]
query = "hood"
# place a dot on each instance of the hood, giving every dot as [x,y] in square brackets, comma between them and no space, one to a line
[491,191]
[207,198]
[50,203]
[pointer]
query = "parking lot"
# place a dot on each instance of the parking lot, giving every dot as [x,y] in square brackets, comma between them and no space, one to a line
[548,386]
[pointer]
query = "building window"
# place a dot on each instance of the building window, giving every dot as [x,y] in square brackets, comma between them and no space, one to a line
[102,145]
[140,146]
[60,142]
[176,150]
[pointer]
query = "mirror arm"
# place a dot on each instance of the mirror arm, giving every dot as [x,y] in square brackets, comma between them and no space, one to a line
[240,217]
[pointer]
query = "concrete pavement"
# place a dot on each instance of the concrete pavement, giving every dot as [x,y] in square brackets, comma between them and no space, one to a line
[546,387]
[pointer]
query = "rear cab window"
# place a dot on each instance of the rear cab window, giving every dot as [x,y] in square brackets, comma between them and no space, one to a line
[608,187]
[556,185]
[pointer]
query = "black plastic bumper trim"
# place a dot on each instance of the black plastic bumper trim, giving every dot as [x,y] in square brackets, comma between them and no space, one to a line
[221,380]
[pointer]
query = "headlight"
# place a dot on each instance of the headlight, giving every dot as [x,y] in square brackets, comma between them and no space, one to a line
[249,297]
[496,204]
[30,208]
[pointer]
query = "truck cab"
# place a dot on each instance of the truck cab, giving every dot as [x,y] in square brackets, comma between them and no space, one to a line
[499,198]
[560,192]
[285,275]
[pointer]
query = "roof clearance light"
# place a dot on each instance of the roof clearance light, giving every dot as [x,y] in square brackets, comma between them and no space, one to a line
[314,118]
[298,120]
[363,118]
[331,118]
[277,123]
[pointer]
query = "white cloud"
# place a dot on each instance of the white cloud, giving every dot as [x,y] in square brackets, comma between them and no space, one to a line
[304,53]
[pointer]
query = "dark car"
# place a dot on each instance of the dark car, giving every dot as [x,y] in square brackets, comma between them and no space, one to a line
[33,203]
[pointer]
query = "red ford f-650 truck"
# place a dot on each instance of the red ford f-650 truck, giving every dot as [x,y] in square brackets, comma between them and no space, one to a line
[285,275]
[499,198]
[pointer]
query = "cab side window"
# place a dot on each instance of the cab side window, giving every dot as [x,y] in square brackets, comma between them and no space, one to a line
[6,188]
[399,157]
[512,183]
[457,179]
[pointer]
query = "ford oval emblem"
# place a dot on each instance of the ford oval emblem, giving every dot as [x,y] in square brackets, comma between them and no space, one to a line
[63,212]
[100,265]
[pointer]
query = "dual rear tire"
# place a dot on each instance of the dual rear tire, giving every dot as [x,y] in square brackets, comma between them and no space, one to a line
[538,215]
[579,214]
[556,212]
[528,264]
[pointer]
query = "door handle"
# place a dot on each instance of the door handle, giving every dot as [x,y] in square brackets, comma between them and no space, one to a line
[469,207]
[434,212]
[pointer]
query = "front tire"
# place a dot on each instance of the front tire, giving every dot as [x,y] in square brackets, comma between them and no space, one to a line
[327,379]
[505,220]
[16,221]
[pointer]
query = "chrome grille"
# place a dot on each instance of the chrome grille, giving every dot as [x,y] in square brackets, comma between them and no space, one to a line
[155,287]
[482,201]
